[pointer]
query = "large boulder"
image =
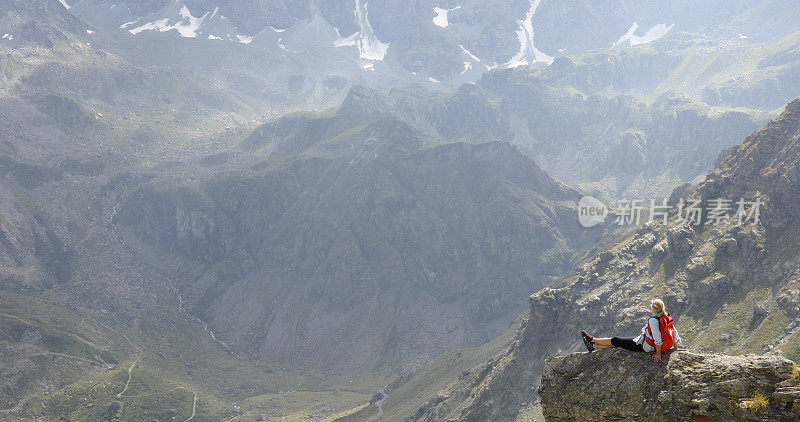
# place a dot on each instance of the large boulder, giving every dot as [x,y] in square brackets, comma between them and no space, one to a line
[621,385]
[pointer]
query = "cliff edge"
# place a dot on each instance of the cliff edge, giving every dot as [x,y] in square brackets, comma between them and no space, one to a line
[621,385]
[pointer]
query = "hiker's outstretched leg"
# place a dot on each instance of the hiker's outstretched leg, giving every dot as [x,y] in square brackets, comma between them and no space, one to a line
[603,343]
[626,343]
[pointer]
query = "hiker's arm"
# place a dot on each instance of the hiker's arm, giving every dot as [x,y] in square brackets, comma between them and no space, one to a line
[656,338]
[677,339]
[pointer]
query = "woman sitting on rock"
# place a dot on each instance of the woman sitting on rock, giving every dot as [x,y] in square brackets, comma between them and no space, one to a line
[659,334]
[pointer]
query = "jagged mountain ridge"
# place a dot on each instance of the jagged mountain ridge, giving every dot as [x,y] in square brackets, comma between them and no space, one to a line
[617,146]
[615,122]
[313,66]
[733,289]
[451,40]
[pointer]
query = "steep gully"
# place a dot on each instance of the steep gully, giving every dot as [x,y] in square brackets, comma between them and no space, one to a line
[184,312]
[120,395]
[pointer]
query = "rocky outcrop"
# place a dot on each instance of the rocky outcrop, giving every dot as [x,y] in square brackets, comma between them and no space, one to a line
[362,100]
[732,288]
[620,385]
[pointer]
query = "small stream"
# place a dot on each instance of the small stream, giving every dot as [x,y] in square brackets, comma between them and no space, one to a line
[181,309]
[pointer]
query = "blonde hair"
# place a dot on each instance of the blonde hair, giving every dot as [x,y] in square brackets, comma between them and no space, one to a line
[658,307]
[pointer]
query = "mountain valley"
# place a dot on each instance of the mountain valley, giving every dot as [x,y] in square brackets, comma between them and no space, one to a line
[336,210]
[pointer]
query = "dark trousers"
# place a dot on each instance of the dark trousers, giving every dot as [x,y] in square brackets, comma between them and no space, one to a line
[627,344]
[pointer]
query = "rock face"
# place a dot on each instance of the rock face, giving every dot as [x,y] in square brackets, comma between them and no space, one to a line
[711,277]
[373,238]
[621,385]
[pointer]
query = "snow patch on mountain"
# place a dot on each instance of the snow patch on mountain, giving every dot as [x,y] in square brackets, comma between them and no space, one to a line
[159,25]
[441,16]
[127,24]
[474,58]
[187,26]
[369,46]
[469,53]
[528,53]
[656,32]
[344,42]
[178,17]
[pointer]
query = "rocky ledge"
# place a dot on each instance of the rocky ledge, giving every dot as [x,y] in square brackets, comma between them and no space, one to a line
[621,385]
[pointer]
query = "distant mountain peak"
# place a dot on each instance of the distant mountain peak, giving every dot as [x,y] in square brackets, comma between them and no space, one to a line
[364,100]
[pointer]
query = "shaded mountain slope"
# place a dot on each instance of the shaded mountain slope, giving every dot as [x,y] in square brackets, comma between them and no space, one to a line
[732,288]
[81,315]
[357,231]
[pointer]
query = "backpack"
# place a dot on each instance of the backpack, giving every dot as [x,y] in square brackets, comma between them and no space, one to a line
[665,325]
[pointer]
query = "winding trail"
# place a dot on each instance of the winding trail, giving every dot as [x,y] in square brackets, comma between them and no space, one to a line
[85,237]
[16,407]
[120,394]
[379,405]
[18,319]
[45,352]
[194,407]
[181,309]
[130,375]
[180,387]
[49,353]
[132,344]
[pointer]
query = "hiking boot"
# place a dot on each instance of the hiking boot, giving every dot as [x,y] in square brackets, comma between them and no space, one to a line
[587,341]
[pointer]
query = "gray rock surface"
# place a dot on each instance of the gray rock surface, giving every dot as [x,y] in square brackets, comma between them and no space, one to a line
[621,385]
